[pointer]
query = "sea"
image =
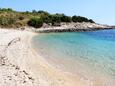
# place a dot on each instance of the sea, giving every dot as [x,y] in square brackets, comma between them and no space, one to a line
[90,54]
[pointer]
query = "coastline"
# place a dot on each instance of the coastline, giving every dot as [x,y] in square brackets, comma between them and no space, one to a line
[21,65]
[72,27]
[26,67]
[53,76]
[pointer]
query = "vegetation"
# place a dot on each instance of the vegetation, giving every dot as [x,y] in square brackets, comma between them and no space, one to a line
[35,22]
[65,18]
[11,18]
[81,19]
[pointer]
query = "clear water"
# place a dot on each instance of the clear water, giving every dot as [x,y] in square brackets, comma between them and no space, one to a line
[90,54]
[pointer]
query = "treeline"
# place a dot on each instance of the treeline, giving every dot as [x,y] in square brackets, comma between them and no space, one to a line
[11,18]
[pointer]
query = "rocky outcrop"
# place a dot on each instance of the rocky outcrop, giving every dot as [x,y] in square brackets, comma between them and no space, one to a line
[72,27]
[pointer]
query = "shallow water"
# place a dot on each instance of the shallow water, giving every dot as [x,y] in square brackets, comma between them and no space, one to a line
[91,54]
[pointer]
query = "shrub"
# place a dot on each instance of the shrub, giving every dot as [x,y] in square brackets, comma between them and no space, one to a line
[21,18]
[7,21]
[81,19]
[12,18]
[91,21]
[35,22]
[46,18]
[76,19]
[65,18]
[6,9]
[43,12]
[34,12]
[55,19]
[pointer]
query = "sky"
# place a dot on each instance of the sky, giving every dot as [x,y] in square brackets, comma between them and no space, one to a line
[101,11]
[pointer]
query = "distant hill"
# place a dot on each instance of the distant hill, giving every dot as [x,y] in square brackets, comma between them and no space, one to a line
[14,19]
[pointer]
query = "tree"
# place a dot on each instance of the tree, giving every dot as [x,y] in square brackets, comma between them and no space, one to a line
[65,18]
[27,12]
[9,9]
[56,20]
[74,18]
[46,18]
[6,9]
[81,19]
[91,21]
[34,11]
[43,12]
[77,18]
[35,22]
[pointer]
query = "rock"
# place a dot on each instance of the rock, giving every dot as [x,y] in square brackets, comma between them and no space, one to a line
[72,27]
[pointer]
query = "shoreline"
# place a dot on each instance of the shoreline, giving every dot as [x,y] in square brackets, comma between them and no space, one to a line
[73,79]
[20,62]
[69,30]
[72,27]
[26,67]
[91,79]
[58,74]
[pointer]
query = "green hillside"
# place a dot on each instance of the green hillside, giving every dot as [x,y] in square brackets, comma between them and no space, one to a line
[14,19]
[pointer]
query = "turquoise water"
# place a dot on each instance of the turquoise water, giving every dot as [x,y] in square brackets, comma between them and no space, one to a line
[86,53]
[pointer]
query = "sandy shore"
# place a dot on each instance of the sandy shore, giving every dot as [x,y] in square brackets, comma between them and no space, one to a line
[20,65]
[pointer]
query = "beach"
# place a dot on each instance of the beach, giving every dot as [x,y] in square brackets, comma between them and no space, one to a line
[57,43]
[20,65]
